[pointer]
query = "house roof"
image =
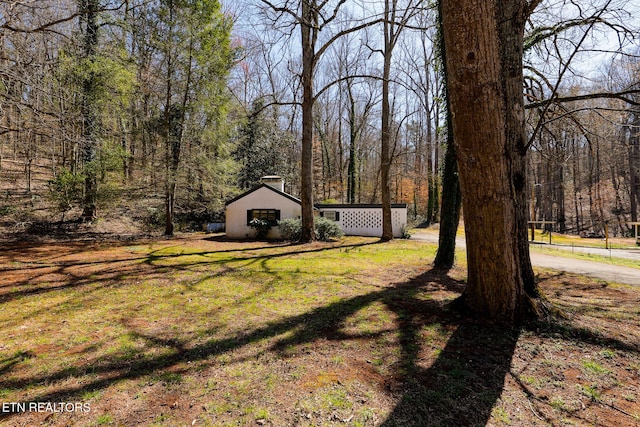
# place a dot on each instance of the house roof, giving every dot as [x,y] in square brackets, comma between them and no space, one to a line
[246,193]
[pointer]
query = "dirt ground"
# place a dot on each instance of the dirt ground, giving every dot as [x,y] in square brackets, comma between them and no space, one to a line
[582,368]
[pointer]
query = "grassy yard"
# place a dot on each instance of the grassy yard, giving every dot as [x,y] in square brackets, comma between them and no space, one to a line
[542,236]
[200,331]
[577,254]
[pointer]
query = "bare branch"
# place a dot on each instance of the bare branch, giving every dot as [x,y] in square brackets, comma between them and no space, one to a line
[610,95]
[342,79]
[48,25]
[328,43]
[541,33]
[564,70]
[283,10]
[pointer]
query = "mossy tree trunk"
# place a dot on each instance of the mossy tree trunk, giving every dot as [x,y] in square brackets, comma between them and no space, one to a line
[89,25]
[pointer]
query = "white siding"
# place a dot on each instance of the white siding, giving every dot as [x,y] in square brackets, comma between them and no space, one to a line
[367,220]
[262,198]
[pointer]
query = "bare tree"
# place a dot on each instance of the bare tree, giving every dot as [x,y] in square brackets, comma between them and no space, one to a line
[312,17]
[560,97]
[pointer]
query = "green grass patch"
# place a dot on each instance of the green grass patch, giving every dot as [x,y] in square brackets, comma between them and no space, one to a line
[608,353]
[104,419]
[572,240]
[591,391]
[352,332]
[594,367]
[173,303]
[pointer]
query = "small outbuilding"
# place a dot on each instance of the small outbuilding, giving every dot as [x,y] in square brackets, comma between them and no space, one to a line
[268,202]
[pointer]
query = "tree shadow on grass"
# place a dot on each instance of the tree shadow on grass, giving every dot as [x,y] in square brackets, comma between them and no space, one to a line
[6,363]
[108,272]
[461,387]
[467,374]
[325,322]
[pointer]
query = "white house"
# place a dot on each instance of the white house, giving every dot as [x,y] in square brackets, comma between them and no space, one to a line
[364,220]
[268,202]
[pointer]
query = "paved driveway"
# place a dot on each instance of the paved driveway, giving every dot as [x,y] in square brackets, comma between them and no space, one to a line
[607,272]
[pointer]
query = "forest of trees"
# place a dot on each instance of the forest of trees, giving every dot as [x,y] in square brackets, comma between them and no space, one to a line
[188,102]
[117,99]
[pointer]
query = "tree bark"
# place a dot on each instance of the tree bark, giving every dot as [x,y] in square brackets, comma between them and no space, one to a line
[385,159]
[450,208]
[385,155]
[89,9]
[306,169]
[451,197]
[352,171]
[483,42]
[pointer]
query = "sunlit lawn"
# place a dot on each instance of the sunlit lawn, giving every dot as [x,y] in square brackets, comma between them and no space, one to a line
[74,324]
[201,331]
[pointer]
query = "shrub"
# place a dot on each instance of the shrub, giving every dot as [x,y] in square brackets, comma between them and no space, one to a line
[65,190]
[406,232]
[327,229]
[261,226]
[291,229]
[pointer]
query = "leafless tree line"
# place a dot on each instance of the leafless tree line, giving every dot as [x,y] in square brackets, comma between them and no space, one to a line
[584,162]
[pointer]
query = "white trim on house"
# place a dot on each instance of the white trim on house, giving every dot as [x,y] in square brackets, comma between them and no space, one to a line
[262,198]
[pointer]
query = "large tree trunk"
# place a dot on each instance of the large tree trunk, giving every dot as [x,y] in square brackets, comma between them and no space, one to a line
[451,198]
[306,169]
[385,156]
[89,9]
[483,43]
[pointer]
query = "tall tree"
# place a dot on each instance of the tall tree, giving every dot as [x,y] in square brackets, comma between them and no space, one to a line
[451,199]
[308,14]
[395,19]
[484,52]
[88,10]
[259,151]
[357,96]
[197,55]
[312,17]
[309,29]
[390,40]
[424,79]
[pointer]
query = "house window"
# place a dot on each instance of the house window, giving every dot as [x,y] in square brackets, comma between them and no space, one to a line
[272,216]
[332,215]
